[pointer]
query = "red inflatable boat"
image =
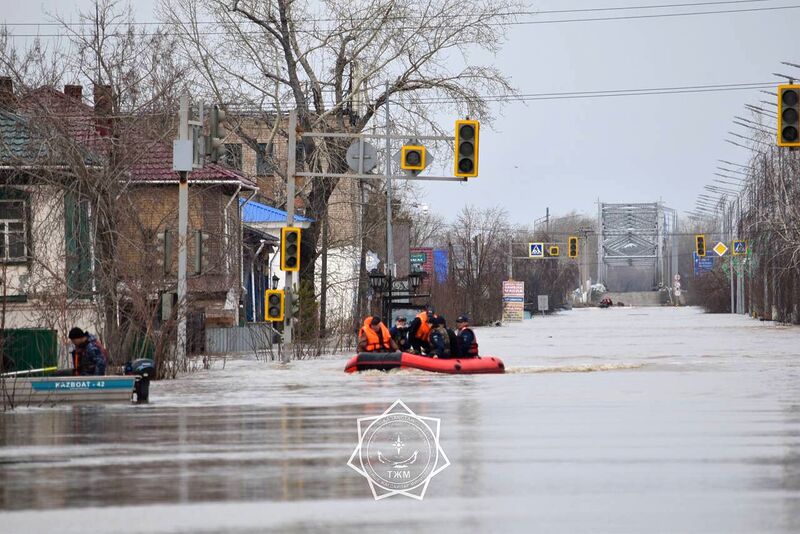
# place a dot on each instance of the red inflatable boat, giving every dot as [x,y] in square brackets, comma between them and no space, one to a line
[384,361]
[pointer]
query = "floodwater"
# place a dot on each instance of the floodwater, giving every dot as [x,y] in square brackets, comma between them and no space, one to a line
[618,420]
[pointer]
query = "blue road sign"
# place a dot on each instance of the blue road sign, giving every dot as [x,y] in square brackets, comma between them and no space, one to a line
[739,247]
[536,250]
[702,264]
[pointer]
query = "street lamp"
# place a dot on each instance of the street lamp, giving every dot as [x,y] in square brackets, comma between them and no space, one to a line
[275,281]
[415,279]
[376,281]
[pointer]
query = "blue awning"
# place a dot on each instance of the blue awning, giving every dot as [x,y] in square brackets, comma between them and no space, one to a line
[255,212]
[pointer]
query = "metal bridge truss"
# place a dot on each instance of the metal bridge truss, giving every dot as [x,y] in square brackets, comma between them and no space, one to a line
[637,235]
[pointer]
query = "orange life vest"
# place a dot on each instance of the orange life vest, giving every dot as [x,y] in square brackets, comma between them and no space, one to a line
[375,343]
[424,330]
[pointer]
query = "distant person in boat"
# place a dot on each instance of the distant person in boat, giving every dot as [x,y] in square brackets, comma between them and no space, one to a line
[375,337]
[88,357]
[467,342]
[439,339]
[399,333]
[420,331]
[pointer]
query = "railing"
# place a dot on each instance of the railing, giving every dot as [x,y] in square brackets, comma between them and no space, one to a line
[253,337]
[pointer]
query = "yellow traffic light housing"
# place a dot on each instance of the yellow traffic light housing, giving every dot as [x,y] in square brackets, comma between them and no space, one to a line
[466,148]
[554,251]
[789,115]
[572,248]
[412,158]
[290,249]
[274,300]
[700,245]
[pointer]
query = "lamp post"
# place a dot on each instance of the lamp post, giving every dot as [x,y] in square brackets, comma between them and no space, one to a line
[275,281]
[377,281]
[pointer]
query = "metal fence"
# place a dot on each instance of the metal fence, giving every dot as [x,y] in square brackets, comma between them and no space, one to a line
[249,338]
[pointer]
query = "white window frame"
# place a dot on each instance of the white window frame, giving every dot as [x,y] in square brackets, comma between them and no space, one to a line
[5,232]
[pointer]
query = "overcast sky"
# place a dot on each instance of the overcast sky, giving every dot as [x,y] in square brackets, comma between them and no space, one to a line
[567,154]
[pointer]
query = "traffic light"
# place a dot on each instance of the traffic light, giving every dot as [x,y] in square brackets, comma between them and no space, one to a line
[290,249]
[202,252]
[572,248]
[789,115]
[700,245]
[412,158]
[554,251]
[164,255]
[466,148]
[273,311]
[217,133]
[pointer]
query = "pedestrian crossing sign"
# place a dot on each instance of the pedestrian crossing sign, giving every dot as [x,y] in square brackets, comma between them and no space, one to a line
[536,250]
[739,247]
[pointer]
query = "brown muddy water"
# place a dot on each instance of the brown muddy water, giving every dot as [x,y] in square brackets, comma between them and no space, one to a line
[619,420]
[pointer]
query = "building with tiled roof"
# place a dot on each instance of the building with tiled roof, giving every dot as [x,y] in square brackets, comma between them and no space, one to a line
[45,229]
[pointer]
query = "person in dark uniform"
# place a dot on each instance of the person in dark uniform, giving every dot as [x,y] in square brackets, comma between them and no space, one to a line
[88,357]
[467,342]
[400,334]
[439,339]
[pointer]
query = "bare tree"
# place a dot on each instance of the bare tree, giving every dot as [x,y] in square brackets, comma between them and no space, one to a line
[329,61]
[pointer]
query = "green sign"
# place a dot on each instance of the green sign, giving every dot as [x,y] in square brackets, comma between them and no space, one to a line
[419,257]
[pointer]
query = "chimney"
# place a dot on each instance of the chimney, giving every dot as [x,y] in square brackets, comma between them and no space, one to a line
[74,91]
[6,92]
[103,109]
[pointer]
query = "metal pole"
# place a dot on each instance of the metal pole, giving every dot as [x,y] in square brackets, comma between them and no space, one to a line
[183,230]
[390,270]
[291,168]
[510,261]
[730,258]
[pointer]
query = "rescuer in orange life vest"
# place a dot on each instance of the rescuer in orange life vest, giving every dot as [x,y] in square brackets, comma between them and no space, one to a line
[419,332]
[375,337]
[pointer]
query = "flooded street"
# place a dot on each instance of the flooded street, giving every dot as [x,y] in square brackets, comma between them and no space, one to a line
[688,423]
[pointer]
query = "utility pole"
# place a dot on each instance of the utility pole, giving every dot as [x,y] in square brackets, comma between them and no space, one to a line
[183,230]
[389,237]
[290,185]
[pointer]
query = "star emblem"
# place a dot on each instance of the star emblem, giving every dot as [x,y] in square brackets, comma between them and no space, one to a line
[379,459]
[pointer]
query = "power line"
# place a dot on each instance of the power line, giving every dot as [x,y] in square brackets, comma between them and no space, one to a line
[450,17]
[416,17]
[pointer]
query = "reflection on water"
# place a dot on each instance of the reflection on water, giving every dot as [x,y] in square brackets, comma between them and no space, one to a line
[677,430]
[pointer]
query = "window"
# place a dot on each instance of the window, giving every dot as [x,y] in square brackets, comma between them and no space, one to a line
[265,159]
[232,157]
[13,234]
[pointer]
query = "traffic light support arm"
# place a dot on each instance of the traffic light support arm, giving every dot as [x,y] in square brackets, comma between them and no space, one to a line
[409,177]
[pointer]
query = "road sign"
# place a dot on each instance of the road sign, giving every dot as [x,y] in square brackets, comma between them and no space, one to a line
[543,303]
[513,301]
[720,248]
[739,247]
[370,159]
[536,250]
[702,264]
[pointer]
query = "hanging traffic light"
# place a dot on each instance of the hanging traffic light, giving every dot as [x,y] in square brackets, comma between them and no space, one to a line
[202,252]
[554,251]
[572,248]
[274,299]
[412,158]
[216,133]
[290,249]
[789,115]
[165,251]
[466,148]
[700,245]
